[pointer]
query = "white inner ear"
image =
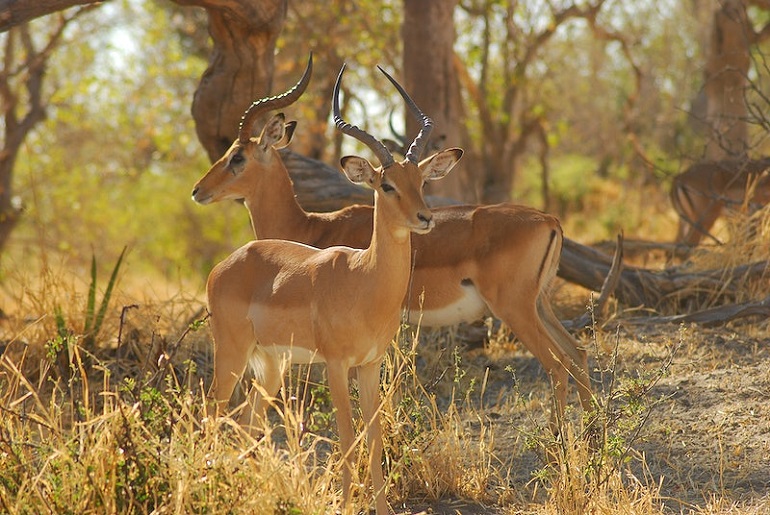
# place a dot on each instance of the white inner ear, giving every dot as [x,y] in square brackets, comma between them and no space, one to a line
[273,132]
[440,165]
[357,169]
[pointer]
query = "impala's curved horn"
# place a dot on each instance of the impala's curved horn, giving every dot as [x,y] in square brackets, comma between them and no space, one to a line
[276,102]
[376,146]
[418,145]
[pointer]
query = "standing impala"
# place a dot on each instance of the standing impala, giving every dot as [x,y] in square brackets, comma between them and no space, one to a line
[499,259]
[276,301]
[700,193]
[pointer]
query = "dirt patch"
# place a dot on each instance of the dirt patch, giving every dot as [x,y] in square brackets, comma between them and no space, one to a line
[708,432]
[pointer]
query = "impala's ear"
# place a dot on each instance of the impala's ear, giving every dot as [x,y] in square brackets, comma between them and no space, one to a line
[273,132]
[439,164]
[288,133]
[358,170]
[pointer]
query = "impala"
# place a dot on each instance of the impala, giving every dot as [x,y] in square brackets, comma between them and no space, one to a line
[276,301]
[700,193]
[478,260]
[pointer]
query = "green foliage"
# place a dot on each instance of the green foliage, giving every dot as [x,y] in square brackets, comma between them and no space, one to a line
[118,154]
[321,416]
[94,319]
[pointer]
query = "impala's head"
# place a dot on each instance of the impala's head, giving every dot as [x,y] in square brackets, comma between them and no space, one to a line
[398,185]
[250,158]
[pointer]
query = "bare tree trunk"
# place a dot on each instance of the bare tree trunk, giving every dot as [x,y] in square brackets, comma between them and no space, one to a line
[240,69]
[25,61]
[726,78]
[430,78]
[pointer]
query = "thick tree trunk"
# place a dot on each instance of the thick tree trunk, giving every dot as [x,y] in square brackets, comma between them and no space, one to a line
[244,34]
[726,78]
[429,76]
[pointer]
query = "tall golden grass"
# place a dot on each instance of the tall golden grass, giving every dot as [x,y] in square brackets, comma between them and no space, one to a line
[113,432]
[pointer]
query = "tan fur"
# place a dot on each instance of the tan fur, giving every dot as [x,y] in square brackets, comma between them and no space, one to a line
[703,191]
[505,254]
[275,301]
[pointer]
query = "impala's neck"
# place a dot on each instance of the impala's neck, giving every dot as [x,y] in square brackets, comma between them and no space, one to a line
[273,208]
[389,251]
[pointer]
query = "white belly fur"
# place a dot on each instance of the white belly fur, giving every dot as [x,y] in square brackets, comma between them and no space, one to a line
[296,355]
[468,308]
[292,354]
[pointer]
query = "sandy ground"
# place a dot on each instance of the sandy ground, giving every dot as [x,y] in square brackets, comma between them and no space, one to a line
[706,430]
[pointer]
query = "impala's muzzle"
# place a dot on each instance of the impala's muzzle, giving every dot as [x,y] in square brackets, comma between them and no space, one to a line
[426,223]
[200,198]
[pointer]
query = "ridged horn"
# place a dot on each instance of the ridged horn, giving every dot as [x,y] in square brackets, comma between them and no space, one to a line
[418,145]
[276,102]
[376,146]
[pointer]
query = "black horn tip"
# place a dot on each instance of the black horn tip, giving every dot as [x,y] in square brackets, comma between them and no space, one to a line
[336,94]
[386,74]
[339,75]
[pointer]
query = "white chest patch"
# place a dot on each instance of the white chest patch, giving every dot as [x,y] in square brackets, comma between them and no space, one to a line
[468,308]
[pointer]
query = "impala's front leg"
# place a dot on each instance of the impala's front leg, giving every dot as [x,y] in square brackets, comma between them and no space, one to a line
[233,344]
[369,395]
[338,387]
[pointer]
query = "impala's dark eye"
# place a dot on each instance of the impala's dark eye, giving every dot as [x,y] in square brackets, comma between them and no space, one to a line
[387,188]
[237,158]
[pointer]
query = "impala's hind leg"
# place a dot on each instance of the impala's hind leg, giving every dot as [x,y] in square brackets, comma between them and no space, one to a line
[578,357]
[523,319]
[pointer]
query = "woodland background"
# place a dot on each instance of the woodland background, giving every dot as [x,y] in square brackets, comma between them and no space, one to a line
[111,111]
[585,109]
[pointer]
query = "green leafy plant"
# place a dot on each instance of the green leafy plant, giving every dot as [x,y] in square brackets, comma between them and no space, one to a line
[95,318]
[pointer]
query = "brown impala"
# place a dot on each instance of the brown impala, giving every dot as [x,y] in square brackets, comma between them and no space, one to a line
[700,193]
[274,302]
[499,259]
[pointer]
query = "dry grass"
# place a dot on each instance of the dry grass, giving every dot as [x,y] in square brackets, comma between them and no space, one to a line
[747,242]
[465,429]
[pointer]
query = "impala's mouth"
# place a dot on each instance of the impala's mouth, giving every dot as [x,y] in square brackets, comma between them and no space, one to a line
[423,227]
[201,199]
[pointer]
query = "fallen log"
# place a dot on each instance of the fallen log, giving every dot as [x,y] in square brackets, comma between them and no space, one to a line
[319,187]
[636,287]
[711,317]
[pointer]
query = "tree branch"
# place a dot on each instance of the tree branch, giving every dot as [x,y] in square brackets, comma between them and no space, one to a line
[18,12]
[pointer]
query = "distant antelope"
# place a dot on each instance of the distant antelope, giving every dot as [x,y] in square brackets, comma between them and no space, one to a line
[700,193]
[273,301]
[499,259]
